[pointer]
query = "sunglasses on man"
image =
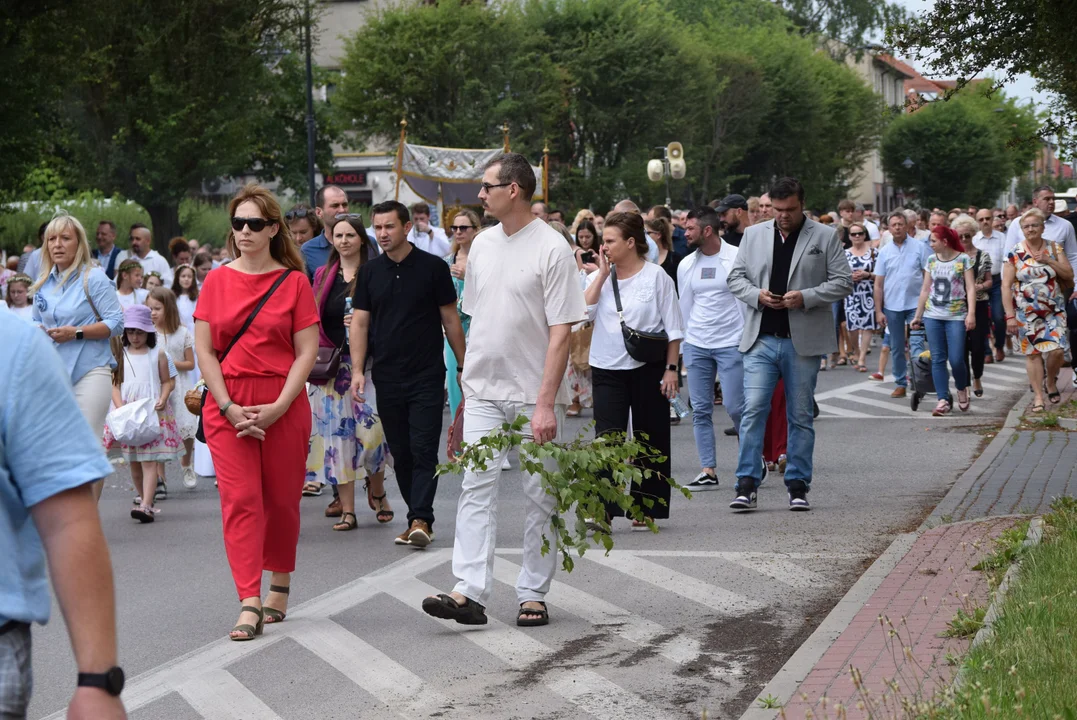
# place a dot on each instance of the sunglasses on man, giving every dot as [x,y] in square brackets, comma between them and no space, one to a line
[298,214]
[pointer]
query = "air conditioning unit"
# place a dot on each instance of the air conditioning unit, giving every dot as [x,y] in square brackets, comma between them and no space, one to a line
[220,186]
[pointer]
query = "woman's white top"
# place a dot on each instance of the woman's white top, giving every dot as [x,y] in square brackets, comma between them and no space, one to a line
[138,297]
[649,300]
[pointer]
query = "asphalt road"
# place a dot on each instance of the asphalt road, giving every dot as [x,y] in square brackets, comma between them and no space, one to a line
[697,617]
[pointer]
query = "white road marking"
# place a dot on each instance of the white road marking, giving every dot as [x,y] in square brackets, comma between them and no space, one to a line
[839,412]
[898,408]
[784,571]
[217,695]
[1001,368]
[369,668]
[725,602]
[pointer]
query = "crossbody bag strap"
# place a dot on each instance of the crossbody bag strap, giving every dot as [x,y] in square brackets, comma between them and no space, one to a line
[250,318]
[86,291]
[616,293]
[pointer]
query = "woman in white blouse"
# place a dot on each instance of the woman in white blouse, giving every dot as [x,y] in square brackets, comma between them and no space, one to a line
[623,384]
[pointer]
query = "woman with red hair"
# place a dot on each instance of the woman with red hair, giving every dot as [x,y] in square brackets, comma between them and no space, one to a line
[947,310]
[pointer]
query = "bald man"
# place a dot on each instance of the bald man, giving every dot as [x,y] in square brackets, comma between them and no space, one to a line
[627,206]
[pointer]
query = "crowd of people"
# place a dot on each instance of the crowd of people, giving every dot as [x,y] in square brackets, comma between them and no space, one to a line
[261,361]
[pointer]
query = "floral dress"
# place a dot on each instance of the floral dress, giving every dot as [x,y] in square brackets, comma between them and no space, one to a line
[1039,303]
[860,305]
[141,380]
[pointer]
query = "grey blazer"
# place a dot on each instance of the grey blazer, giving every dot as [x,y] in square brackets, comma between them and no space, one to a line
[819,270]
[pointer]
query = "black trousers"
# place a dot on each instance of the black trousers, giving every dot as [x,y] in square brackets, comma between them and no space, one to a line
[976,340]
[615,393]
[411,418]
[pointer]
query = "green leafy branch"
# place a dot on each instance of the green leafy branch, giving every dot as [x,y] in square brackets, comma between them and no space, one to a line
[583,475]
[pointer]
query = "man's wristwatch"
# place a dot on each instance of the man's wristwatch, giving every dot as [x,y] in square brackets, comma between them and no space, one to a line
[671,368]
[110,681]
[78,334]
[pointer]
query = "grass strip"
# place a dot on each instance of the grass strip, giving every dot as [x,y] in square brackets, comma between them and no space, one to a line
[1028,668]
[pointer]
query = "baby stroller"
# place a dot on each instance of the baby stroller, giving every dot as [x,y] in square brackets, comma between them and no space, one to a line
[920,380]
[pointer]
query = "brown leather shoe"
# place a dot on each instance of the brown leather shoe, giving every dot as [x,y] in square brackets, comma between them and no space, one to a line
[420,534]
[999,356]
[898,393]
[335,509]
[402,538]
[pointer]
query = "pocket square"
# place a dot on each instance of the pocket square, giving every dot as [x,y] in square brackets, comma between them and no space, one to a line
[814,250]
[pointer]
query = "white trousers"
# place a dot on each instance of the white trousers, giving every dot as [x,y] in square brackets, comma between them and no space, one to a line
[93,394]
[476,514]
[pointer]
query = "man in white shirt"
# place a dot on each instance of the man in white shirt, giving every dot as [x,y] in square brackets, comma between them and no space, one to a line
[993,242]
[107,254]
[523,295]
[1055,229]
[872,228]
[713,325]
[425,236]
[151,260]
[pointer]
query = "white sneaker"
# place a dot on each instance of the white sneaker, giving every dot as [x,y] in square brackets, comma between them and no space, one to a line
[190,480]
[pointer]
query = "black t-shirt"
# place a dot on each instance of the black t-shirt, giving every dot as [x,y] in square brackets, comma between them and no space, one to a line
[670,264]
[733,237]
[776,322]
[404,301]
[333,311]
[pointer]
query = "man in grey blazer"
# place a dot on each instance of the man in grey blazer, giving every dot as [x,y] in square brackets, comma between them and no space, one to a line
[789,272]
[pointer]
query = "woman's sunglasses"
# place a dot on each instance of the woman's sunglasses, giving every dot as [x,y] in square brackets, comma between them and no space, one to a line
[297,214]
[859,234]
[255,224]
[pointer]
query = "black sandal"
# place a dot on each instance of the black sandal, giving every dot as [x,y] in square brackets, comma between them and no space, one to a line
[1055,397]
[383,515]
[445,607]
[537,617]
[249,631]
[344,524]
[273,615]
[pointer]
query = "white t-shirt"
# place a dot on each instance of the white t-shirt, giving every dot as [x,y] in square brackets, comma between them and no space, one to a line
[649,301]
[155,262]
[138,297]
[715,319]
[435,241]
[517,287]
[873,230]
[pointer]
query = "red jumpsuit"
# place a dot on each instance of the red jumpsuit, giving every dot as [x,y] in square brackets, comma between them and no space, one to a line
[776,435]
[260,481]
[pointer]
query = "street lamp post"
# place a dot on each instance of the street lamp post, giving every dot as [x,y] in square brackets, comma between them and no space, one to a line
[310,108]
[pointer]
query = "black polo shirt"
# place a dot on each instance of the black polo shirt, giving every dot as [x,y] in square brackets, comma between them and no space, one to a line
[404,301]
[776,322]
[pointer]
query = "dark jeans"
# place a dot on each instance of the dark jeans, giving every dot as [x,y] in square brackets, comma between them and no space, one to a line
[977,340]
[411,418]
[998,315]
[1071,322]
[615,393]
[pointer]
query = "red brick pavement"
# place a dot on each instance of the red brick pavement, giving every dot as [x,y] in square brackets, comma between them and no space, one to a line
[915,601]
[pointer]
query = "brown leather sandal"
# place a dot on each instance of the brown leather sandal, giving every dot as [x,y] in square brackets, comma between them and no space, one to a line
[345,523]
[273,615]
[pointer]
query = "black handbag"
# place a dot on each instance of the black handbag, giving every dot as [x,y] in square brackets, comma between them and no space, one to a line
[327,364]
[643,346]
[200,434]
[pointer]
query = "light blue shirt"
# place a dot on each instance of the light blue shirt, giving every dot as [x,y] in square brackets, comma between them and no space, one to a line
[903,268]
[33,264]
[46,447]
[57,305]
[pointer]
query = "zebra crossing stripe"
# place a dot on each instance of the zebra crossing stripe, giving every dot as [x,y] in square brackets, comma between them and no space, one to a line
[217,695]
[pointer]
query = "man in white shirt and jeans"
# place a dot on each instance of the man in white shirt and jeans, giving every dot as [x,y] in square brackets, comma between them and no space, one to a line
[993,242]
[523,295]
[713,325]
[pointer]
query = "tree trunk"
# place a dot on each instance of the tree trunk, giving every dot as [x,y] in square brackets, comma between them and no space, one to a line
[165,222]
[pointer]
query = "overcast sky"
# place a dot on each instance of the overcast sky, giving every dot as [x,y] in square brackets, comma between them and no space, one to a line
[1023,86]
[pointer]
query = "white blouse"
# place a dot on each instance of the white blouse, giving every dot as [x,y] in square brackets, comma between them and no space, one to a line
[649,300]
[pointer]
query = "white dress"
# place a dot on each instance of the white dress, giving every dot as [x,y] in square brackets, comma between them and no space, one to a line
[138,297]
[176,345]
[141,380]
[186,311]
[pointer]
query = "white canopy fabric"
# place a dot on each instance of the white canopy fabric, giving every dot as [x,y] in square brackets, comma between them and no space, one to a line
[455,172]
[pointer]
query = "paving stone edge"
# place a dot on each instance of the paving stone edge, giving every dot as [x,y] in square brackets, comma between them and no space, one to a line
[784,684]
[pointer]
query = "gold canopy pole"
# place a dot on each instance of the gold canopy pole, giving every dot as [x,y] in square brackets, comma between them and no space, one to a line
[546,172]
[400,158]
[505,133]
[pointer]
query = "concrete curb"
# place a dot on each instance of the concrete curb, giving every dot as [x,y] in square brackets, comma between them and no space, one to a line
[785,683]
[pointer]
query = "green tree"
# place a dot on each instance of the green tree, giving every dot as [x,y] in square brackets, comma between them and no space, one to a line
[169,93]
[957,153]
[965,39]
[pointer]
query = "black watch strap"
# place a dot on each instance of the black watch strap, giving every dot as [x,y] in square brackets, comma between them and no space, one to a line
[111,681]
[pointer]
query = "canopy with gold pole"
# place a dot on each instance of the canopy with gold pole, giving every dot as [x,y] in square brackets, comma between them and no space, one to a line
[452,176]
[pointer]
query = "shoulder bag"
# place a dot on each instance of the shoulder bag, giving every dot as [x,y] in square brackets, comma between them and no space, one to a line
[643,346]
[200,435]
[115,344]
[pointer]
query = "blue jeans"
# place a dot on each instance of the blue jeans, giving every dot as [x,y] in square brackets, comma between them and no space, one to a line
[771,358]
[702,365]
[896,320]
[947,341]
[998,315]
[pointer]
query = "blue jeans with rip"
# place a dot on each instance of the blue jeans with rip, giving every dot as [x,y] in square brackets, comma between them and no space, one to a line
[947,341]
[768,359]
[702,365]
[896,320]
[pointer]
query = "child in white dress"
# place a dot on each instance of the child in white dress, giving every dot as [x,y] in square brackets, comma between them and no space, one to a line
[129,283]
[146,374]
[178,342]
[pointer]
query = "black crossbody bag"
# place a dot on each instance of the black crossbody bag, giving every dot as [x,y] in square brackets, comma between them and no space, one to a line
[643,346]
[200,434]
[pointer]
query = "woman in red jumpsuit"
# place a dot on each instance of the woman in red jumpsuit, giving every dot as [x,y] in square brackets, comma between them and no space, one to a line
[256,417]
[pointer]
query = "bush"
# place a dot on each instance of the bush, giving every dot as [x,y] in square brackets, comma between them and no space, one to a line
[19,221]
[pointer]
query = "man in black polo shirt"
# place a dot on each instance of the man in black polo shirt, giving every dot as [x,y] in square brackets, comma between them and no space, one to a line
[789,271]
[406,295]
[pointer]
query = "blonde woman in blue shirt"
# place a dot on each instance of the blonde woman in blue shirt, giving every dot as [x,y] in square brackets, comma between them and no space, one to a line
[75,304]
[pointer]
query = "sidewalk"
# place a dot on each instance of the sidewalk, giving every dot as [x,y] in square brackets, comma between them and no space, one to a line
[889,626]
